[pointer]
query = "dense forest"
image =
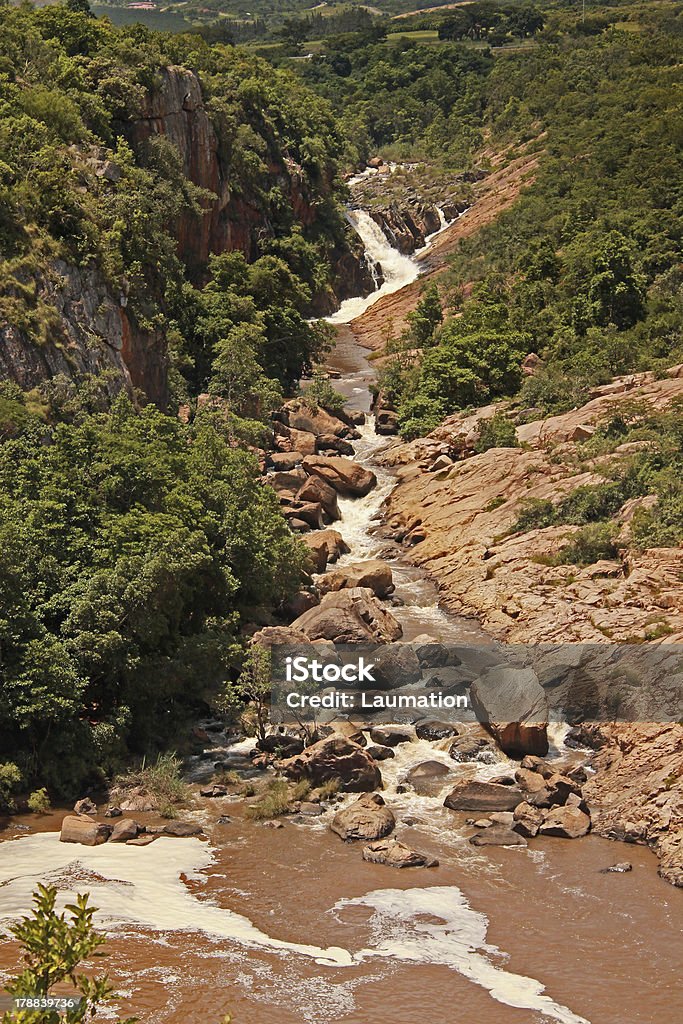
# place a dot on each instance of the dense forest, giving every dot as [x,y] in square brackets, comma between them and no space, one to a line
[132,544]
[136,546]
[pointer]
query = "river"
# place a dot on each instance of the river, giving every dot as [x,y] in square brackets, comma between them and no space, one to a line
[290,925]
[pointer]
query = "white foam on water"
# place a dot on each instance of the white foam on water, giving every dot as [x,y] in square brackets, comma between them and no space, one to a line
[133,885]
[145,887]
[398,270]
[458,941]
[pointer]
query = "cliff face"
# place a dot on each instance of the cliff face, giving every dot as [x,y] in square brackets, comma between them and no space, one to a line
[234,218]
[90,331]
[89,326]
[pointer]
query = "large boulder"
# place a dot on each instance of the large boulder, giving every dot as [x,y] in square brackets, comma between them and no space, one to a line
[396,666]
[284,460]
[472,748]
[288,439]
[310,513]
[483,796]
[374,574]
[565,822]
[334,757]
[392,735]
[349,616]
[527,820]
[513,705]
[428,778]
[380,753]
[397,855]
[347,477]
[325,546]
[287,480]
[367,818]
[331,443]
[275,636]
[85,806]
[316,490]
[352,730]
[182,829]
[498,835]
[299,415]
[434,730]
[81,828]
[124,830]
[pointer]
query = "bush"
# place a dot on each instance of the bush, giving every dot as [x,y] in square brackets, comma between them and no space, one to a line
[39,802]
[161,780]
[272,804]
[498,432]
[10,777]
[589,545]
[534,514]
[321,393]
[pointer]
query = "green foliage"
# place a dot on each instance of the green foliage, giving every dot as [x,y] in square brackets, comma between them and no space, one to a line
[253,686]
[162,780]
[426,317]
[53,948]
[130,548]
[497,432]
[588,545]
[320,392]
[420,101]
[477,359]
[10,778]
[274,803]
[39,802]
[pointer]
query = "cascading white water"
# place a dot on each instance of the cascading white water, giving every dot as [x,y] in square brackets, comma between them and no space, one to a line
[398,270]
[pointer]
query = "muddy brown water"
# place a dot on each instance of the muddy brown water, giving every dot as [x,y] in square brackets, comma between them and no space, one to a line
[289,925]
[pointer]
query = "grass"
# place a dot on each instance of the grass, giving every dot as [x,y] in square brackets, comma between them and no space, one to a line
[328,789]
[227,777]
[428,36]
[161,780]
[277,799]
[272,804]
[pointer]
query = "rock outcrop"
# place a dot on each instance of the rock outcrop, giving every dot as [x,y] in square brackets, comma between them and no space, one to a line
[334,757]
[81,828]
[483,796]
[348,478]
[375,574]
[513,705]
[397,855]
[347,617]
[636,793]
[367,818]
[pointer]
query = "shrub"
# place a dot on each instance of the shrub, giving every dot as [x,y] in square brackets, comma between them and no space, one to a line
[272,804]
[534,514]
[498,432]
[162,780]
[321,393]
[10,777]
[589,545]
[39,802]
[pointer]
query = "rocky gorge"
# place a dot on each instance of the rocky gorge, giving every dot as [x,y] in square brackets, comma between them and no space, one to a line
[454,806]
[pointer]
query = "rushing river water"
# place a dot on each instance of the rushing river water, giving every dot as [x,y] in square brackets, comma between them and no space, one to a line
[283,926]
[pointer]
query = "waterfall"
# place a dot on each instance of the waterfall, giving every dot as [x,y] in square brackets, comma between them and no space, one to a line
[398,270]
